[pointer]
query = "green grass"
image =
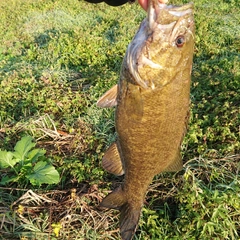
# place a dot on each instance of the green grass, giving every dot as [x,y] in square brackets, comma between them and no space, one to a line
[56,59]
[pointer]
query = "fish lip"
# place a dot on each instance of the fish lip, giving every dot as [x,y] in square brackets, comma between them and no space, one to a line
[154,8]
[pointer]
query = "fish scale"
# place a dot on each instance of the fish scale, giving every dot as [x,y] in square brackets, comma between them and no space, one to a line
[152,101]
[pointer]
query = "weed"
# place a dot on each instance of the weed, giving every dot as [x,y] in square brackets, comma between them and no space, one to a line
[26,165]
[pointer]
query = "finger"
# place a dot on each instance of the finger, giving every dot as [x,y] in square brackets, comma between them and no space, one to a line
[163,1]
[143,4]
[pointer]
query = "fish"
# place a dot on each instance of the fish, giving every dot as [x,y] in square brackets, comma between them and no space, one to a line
[152,101]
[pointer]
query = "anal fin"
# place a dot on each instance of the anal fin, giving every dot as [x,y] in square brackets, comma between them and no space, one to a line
[115,200]
[112,161]
[176,165]
[109,98]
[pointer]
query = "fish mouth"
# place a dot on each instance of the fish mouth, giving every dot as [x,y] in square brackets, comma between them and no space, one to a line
[154,9]
[164,19]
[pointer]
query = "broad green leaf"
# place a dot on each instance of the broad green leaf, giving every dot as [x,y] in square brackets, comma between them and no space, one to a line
[6,159]
[23,147]
[35,154]
[44,173]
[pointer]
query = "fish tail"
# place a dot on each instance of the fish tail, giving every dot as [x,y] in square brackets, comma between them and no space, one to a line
[129,213]
[129,219]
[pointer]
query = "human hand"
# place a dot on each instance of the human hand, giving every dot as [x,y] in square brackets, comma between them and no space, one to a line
[144,3]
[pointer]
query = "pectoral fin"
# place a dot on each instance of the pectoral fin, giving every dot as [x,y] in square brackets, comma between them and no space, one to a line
[108,99]
[134,103]
[176,165]
[112,162]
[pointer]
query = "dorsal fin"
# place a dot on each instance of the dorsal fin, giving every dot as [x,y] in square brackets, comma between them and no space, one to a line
[109,98]
[176,165]
[112,162]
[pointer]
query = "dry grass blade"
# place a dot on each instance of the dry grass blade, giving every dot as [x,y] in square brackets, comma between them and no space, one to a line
[58,139]
[66,212]
[219,172]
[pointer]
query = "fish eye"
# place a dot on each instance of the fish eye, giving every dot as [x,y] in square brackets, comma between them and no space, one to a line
[180,40]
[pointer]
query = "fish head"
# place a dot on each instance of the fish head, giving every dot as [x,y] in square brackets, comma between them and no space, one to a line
[163,45]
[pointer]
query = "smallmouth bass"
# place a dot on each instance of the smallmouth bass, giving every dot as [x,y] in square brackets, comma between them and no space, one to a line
[152,101]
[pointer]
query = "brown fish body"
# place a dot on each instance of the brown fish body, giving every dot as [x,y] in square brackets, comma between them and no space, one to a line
[153,137]
[152,99]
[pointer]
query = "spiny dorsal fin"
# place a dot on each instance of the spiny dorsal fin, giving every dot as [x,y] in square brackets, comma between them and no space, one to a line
[112,162]
[109,98]
[176,165]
